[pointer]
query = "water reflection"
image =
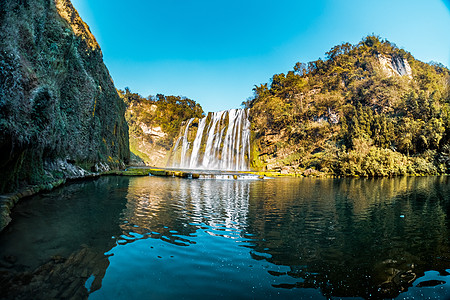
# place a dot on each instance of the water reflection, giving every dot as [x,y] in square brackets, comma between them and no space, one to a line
[367,238]
[170,237]
[57,240]
[171,208]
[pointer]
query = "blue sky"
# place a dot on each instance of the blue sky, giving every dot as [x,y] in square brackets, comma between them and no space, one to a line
[215,52]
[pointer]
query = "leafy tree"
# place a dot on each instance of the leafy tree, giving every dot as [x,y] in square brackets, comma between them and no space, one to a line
[167,112]
[349,100]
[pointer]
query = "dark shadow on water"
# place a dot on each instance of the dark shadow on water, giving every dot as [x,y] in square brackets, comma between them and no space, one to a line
[57,240]
[354,238]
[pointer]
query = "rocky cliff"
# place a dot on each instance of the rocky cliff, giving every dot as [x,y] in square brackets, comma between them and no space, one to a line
[59,109]
[146,138]
[154,123]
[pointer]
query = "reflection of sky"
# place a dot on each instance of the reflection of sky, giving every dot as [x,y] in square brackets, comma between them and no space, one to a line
[290,236]
[421,288]
[212,267]
[210,217]
[171,237]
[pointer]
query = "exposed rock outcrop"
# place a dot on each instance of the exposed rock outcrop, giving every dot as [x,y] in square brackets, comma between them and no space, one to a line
[59,109]
[154,123]
[146,141]
[395,65]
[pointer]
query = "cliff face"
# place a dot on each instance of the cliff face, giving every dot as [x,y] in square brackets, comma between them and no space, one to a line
[154,124]
[395,66]
[146,138]
[59,109]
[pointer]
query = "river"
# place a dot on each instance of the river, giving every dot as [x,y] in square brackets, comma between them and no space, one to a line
[167,238]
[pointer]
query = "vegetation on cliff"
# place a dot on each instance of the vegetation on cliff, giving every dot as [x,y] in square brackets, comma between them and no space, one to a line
[59,109]
[369,109]
[154,122]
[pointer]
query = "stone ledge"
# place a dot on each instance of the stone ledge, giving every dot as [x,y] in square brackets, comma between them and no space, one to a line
[8,201]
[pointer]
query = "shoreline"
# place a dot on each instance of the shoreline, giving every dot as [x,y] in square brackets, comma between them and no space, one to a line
[9,200]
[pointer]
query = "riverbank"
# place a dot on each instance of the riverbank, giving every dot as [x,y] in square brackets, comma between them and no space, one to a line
[8,201]
[187,173]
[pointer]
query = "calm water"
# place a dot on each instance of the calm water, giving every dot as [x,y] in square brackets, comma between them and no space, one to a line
[168,238]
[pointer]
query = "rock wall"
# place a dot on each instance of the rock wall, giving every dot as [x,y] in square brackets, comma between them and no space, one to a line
[395,66]
[57,99]
[145,137]
[154,123]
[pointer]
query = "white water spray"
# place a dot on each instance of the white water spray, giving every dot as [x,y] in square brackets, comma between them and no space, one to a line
[224,145]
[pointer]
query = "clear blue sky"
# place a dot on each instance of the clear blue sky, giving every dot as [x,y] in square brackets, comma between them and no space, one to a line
[214,52]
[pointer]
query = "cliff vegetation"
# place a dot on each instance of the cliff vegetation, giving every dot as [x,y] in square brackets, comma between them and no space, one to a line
[369,109]
[154,123]
[60,114]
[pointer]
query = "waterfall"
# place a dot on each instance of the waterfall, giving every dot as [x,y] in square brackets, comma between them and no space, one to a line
[210,151]
[197,144]
[185,145]
[221,142]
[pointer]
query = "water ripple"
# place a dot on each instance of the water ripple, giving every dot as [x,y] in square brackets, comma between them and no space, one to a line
[174,238]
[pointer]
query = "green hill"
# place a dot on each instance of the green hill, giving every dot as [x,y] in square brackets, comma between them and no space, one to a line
[154,123]
[369,109]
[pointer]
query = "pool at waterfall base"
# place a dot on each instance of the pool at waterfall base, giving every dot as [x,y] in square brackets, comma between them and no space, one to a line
[287,238]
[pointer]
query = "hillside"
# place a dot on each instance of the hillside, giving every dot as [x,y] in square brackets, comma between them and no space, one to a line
[369,109]
[59,109]
[154,122]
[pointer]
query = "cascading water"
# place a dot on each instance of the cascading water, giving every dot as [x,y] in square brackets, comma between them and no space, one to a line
[185,144]
[221,142]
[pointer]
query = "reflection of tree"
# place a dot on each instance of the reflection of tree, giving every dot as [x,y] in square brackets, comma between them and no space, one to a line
[351,237]
[55,252]
[345,237]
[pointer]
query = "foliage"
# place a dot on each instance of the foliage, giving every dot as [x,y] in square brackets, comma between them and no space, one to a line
[163,114]
[381,111]
[57,99]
